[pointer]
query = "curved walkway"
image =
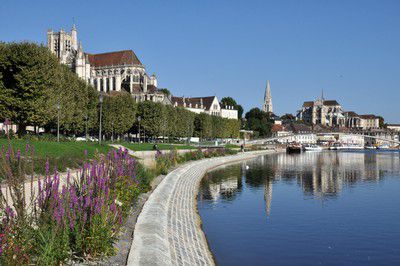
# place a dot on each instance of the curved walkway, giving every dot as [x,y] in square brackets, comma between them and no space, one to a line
[168,230]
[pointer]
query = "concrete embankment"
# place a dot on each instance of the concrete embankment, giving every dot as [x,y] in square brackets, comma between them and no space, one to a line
[168,230]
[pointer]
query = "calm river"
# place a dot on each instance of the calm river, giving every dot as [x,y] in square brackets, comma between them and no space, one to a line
[326,208]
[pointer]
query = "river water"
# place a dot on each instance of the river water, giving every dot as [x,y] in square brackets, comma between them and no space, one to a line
[315,208]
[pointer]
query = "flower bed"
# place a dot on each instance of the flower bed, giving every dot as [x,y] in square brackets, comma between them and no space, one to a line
[74,219]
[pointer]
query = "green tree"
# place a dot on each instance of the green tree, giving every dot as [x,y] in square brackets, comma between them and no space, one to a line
[259,121]
[119,111]
[152,118]
[203,126]
[29,73]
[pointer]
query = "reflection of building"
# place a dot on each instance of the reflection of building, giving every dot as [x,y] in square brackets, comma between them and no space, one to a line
[268,195]
[323,174]
[226,187]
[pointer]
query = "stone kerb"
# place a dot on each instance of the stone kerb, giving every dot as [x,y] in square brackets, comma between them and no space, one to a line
[168,230]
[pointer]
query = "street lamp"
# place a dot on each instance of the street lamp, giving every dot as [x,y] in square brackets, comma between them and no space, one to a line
[101,110]
[86,127]
[138,119]
[58,121]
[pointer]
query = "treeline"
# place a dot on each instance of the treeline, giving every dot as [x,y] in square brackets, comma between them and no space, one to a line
[36,90]
[121,115]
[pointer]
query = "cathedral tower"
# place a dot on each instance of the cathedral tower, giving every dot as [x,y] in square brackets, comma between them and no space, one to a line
[267,107]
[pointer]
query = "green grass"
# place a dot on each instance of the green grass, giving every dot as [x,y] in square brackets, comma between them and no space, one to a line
[161,146]
[62,155]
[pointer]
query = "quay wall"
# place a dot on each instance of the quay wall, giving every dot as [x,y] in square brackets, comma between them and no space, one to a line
[168,230]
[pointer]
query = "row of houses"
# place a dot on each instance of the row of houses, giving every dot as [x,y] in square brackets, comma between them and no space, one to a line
[301,133]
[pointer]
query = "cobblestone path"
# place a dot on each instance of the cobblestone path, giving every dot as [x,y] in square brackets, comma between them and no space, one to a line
[168,229]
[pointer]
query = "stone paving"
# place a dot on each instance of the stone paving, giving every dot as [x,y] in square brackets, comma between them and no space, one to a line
[168,230]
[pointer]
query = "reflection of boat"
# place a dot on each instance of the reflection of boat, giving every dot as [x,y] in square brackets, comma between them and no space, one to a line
[313,148]
[293,148]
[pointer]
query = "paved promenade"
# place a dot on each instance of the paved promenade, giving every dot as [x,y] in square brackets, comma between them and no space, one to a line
[168,230]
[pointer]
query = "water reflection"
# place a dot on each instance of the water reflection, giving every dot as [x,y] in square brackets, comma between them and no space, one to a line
[330,208]
[321,174]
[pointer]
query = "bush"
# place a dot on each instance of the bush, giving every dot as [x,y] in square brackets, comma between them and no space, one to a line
[164,161]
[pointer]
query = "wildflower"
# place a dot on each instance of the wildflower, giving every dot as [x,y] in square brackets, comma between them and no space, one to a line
[118,202]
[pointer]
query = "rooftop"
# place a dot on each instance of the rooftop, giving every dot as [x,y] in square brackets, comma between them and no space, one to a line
[125,57]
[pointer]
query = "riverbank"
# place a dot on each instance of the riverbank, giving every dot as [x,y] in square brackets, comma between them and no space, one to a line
[168,230]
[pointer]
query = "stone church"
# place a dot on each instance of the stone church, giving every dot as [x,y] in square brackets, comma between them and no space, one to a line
[111,71]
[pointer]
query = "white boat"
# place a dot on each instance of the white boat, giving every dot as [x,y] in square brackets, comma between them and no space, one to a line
[350,147]
[313,148]
[370,147]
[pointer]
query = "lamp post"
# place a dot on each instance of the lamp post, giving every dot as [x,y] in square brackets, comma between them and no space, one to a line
[112,131]
[138,119]
[86,127]
[58,121]
[101,111]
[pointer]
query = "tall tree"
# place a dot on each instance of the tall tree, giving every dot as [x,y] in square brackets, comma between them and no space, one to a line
[29,74]
[119,111]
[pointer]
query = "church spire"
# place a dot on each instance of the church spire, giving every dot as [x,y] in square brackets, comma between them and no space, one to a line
[267,107]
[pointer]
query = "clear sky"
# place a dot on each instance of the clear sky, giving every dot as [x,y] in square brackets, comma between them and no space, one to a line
[348,48]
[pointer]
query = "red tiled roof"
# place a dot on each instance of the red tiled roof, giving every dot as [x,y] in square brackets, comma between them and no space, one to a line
[331,102]
[327,102]
[351,114]
[276,128]
[308,104]
[368,116]
[126,57]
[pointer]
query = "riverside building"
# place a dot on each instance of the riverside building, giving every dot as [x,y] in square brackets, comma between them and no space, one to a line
[330,113]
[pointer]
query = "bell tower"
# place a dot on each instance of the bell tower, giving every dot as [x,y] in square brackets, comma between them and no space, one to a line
[267,107]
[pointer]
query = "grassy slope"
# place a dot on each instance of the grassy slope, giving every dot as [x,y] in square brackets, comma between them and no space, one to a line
[63,155]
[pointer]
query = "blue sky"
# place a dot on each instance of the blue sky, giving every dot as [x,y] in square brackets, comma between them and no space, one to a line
[350,49]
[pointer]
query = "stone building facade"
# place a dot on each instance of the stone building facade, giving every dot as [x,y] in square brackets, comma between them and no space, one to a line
[331,114]
[267,106]
[111,71]
[322,112]
[209,105]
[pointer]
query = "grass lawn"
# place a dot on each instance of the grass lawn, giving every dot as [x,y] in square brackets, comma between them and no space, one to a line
[62,155]
[161,146]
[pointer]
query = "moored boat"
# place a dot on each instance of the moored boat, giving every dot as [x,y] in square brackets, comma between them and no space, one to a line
[313,148]
[293,148]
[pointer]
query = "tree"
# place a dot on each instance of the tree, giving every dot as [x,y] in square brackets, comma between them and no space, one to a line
[381,122]
[203,126]
[259,121]
[152,118]
[29,73]
[119,111]
[288,117]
